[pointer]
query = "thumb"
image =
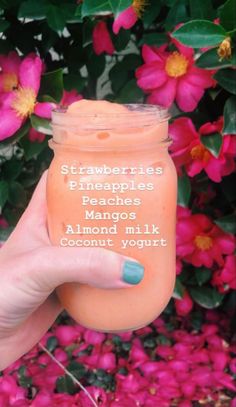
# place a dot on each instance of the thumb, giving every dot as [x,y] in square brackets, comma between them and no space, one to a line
[99,267]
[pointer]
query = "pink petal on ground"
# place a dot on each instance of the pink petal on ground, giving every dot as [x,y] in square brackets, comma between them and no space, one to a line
[152,54]
[44,109]
[188,95]
[126,19]
[101,39]
[199,77]
[30,72]
[10,123]
[10,63]
[150,76]
[165,95]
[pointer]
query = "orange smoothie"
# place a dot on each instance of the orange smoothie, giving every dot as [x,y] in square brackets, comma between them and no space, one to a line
[112,184]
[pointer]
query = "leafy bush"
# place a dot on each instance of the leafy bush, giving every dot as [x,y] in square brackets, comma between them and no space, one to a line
[179,53]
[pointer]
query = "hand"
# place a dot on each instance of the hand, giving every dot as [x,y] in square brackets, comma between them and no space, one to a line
[31,268]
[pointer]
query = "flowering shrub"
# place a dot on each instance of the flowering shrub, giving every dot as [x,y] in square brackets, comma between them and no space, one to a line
[176,53]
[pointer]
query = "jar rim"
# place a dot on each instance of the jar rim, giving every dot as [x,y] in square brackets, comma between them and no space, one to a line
[148,114]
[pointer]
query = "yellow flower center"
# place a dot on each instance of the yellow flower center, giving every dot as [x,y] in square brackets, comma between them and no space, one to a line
[224,50]
[203,242]
[199,152]
[139,6]
[10,82]
[24,101]
[176,64]
[152,391]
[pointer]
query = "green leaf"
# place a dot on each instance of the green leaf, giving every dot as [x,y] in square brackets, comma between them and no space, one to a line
[5,233]
[201,10]
[77,369]
[206,297]
[33,9]
[227,15]
[40,124]
[227,223]
[119,5]
[202,275]
[52,84]
[12,168]
[33,148]
[65,384]
[3,25]
[3,193]
[56,17]
[213,143]
[95,7]
[200,33]
[130,93]
[178,290]
[227,79]
[210,60]
[52,343]
[176,14]
[23,379]
[17,195]
[184,190]
[154,39]
[121,40]
[74,81]
[230,116]
[96,68]
[151,12]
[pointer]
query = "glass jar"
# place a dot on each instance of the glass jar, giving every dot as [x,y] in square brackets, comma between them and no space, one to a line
[113,184]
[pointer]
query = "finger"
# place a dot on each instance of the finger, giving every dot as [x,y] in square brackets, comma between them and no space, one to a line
[36,211]
[53,266]
[30,331]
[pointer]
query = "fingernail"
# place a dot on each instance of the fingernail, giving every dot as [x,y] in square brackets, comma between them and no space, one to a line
[132,272]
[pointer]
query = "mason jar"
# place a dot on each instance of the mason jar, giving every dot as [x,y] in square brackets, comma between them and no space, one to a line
[112,184]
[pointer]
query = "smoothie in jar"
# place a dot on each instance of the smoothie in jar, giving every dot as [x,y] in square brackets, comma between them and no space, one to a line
[112,184]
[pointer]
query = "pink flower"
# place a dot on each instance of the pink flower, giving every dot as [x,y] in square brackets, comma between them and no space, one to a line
[35,135]
[101,39]
[170,76]
[187,149]
[184,305]
[200,242]
[225,278]
[10,65]
[69,97]
[19,102]
[128,17]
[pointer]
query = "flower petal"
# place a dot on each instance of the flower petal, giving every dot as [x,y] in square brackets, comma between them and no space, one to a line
[44,109]
[102,40]
[30,72]
[125,19]
[164,95]
[199,77]
[188,95]
[150,76]
[70,97]
[10,123]
[152,54]
[10,63]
